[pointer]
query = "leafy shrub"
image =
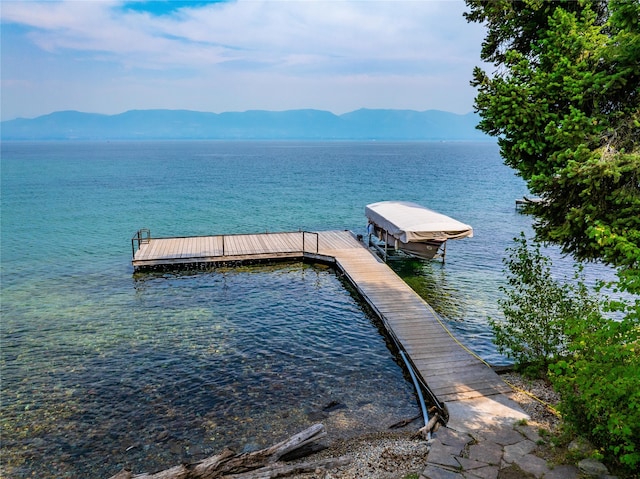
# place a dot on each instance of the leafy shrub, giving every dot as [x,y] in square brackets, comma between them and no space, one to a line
[536,308]
[599,383]
[593,361]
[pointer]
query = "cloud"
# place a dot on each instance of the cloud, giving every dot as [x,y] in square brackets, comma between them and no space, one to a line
[337,41]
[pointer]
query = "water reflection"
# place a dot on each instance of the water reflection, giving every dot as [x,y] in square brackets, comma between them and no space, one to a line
[429,280]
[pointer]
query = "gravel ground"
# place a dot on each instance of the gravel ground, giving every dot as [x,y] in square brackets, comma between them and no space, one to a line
[540,414]
[375,456]
[398,455]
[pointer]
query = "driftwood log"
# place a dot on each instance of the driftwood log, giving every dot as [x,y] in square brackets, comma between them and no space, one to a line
[431,426]
[262,464]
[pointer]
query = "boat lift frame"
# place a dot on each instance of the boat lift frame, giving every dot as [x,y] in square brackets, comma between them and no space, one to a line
[384,251]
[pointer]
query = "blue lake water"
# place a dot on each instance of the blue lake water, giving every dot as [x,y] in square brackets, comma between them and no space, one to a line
[101,368]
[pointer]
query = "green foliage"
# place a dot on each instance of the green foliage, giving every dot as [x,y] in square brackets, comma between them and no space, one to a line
[593,361]
[536,309]
[564,103]
[599,382]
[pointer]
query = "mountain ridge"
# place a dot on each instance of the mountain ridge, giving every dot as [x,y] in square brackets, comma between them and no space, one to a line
[300,124]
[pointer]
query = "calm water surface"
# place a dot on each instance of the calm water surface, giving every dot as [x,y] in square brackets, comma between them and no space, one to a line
[101,368]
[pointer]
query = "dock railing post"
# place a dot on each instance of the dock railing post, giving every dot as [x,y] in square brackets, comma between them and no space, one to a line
[317,241]
[143,235]
[135,238]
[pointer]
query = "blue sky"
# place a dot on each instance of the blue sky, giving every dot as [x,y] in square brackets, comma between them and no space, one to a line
[107,56]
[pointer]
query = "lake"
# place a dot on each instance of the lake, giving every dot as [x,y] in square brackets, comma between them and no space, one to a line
[102,368]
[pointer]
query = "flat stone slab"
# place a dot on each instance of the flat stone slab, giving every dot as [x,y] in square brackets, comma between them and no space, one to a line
[453,438]
[435,472]
[530,432]
[488,472]
[504,436]
[443,455]
[487,452]
[532,464]
[484,414]
[513,452]
[468,464]
[562,472]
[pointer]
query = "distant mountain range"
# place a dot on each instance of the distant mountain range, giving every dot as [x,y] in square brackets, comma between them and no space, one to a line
[362,124]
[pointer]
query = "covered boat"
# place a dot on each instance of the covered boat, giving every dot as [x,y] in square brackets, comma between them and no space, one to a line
[413,229]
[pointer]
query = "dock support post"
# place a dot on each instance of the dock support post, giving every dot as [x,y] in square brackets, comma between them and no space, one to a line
[386,245]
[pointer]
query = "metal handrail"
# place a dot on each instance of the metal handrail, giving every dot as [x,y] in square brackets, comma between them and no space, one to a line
[317,240]
[143,235]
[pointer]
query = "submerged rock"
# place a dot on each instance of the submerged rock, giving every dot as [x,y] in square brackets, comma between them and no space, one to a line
[334,406]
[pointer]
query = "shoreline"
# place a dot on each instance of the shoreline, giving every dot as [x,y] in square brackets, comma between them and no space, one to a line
[406,454]
[400,454]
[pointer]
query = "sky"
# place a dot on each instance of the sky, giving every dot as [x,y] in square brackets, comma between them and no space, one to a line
[108,56]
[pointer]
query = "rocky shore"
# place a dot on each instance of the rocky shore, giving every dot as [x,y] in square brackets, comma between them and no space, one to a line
[403,456]
[515,435]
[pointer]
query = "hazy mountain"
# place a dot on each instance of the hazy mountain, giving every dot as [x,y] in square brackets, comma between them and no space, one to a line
[362,124]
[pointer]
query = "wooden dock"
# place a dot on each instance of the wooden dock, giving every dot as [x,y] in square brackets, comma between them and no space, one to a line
[450,372]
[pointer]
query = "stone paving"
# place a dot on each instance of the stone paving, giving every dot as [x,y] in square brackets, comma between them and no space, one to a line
[485,438]
[482,455]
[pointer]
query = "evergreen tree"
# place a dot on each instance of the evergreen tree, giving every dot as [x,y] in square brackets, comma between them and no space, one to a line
[564,102]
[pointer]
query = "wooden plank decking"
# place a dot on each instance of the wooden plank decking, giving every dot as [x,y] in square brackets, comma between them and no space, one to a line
[448,369]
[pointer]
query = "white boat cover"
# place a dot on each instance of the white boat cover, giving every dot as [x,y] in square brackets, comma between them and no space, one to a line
[410,222]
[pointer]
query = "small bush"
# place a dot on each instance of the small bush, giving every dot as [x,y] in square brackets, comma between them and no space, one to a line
[593,361]
[599,383]
[536,308]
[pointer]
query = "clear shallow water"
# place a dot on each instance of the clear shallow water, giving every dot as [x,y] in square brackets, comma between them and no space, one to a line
[151,369]
[241,357]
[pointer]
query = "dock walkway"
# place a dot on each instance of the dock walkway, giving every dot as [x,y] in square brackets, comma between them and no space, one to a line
[482,416]
[450,372]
